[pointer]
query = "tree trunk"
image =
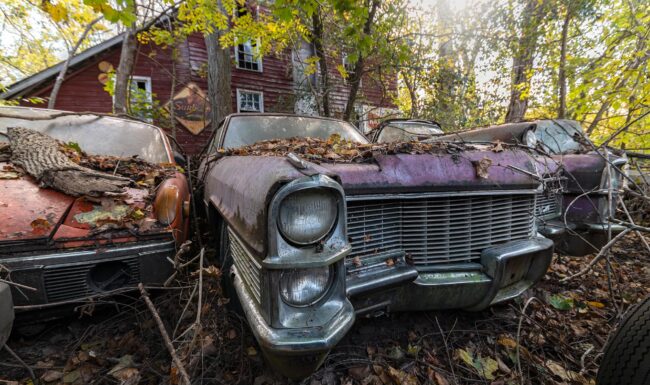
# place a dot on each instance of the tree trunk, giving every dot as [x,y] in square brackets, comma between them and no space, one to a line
[123,73]
[561,76]
[412,95]
[39,155]
[322,60]
[66,64]
[219,76]
[359,65]
[522,63]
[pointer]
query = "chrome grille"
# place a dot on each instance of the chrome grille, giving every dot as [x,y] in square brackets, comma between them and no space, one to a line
[247,267]
[65,282]
[547,205]
[438,230]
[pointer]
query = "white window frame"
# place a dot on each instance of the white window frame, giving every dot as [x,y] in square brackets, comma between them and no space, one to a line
[241,91]
[258,59]
[344,61]
[147,86]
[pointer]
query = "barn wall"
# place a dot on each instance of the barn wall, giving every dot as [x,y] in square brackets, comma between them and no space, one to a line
[82,91]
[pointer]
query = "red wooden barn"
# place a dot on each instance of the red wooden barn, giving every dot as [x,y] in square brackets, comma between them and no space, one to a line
[274,83]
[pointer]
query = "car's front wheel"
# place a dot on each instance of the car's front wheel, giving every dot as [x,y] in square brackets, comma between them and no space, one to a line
[627,355]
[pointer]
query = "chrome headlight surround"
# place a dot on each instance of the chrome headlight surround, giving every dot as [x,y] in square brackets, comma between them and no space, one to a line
[285,257]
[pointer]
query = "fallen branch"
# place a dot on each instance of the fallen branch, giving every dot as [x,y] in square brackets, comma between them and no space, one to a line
[165,336]
[20,360]
[20,285]
[597,258]
[631,226]
[39,155]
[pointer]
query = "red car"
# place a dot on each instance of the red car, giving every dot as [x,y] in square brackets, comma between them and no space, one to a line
[67,248]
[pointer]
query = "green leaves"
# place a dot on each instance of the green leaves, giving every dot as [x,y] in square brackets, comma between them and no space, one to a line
[561,303]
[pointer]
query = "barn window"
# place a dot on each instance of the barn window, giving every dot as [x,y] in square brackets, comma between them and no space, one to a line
[141,97]
[250,101]
[247,56]
[349,69]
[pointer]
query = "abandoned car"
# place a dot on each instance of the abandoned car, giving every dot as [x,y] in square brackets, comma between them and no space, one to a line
[6,313]
[67,246]
[405,130]
[310,241]
[577,219]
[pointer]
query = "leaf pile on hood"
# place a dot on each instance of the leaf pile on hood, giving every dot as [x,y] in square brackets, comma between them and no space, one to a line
[143,173]
[337,149]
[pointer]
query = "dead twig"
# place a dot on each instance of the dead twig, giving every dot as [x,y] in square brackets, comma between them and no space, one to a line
[20,360]
[599,256]
[521,319]
[20,285]
[165,336]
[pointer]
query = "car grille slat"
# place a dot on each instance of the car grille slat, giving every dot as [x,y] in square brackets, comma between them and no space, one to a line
[67,282]
[247,266]
[438,230]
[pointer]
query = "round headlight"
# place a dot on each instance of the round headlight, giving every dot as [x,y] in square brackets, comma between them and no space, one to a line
[530,139]
[307,216]
[303,287]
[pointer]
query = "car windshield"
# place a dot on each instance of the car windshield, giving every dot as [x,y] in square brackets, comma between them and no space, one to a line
[96,135]
[246,130]
[558,137]
[408,131]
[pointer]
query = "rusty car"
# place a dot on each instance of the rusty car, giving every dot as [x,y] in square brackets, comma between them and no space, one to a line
[577,216]
[308,245]
[6,313]
[67,248]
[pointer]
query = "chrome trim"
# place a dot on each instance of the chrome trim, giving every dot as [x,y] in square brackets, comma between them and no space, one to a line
[294,340]
[439,194]
[334,247]
[249,267]
[441,230]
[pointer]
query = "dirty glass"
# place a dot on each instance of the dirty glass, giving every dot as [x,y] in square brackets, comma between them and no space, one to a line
[246,130]
[407,132]
[96,135]
[559,137]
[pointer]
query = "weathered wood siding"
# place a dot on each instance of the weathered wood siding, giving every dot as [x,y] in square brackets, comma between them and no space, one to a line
[82,91]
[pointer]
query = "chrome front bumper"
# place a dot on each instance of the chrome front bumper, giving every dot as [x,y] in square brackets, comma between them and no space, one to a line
[66,276]
[6,313]
[504,272]
[296,353]
[578,239]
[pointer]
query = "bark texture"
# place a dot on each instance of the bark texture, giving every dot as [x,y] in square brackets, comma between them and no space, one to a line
[123,73]
[219,75]
[355,80]
[522,63]
[39,156]
[317,36]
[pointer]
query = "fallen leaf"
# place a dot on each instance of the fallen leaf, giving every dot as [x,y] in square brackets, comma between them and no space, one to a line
[481,167]
[9,175]
[507,342]
[51,376]
[568,375]
[595,304]
[232,334]
[40,224]
[561,303]
[401,377]
[498,147]
[251,351]
[356,261]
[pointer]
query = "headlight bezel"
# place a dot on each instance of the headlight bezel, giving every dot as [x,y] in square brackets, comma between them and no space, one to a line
[315,239]
[282,254]
[327,287]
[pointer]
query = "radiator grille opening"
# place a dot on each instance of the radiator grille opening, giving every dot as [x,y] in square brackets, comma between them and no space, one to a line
[439,230]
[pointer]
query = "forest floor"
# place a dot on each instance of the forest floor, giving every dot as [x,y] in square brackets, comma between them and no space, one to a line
[561,336]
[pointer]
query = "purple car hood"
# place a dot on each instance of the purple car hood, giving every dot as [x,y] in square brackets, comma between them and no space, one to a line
[241,187]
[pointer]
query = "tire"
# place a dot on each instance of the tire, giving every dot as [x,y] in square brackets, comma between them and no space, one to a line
[627,355]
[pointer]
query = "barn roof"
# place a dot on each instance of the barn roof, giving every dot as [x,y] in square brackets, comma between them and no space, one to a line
[24,85]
